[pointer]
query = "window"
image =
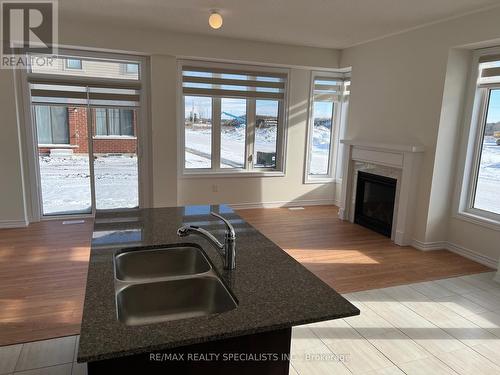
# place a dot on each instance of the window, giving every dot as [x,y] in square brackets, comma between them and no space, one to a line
[73,64]
[51,124]
[484,194]
[266,133]
[233,130]
[132,68]
[329,93]
[198,132]
[233,118]
[95,67]
[114,122]
[487,193]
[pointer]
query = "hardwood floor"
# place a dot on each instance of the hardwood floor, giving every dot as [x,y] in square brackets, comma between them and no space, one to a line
[43,271]
[43,268]
[349,257]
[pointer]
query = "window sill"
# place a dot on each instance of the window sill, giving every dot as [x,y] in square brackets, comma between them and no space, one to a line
[224,174]
[56,145]
[123,137]
[318,180]
[478,220]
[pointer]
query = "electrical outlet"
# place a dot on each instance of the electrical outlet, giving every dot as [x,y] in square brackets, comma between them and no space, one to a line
[215,188]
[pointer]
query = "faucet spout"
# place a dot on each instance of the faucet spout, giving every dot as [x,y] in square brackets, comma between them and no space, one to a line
[227,250]
[192,229]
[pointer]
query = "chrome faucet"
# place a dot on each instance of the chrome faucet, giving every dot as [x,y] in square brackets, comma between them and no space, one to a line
[227,250]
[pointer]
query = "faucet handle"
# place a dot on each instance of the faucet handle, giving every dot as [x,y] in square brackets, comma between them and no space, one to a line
[229,226]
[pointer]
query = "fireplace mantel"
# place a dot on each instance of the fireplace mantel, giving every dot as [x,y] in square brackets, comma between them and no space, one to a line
[384,146]
[405,160]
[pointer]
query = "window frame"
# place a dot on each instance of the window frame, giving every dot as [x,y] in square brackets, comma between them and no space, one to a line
[112,136]
[249,170]
[337,119]
[471,147]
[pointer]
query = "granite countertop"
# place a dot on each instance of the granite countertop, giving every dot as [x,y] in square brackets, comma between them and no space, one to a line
[273,290]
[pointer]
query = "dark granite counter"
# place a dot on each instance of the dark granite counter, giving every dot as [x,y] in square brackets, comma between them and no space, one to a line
[273,290]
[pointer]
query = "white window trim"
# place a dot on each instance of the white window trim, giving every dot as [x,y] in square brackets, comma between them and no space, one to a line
[470,148]
[215,170]
[56,145]
[338,113]
[35,207]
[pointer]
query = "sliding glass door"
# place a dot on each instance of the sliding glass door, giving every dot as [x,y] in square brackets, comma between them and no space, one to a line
[65,178]
[86,125]
[114,149]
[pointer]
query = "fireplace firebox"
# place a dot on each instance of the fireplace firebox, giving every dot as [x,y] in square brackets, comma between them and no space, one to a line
[374,205]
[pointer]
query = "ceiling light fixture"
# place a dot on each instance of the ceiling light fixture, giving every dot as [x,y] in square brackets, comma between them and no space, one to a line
[215,20]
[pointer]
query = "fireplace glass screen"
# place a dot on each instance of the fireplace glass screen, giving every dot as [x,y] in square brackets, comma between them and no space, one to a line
[375,197]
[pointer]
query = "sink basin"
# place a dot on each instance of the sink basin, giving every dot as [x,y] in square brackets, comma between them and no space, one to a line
[140,265]
[160,301]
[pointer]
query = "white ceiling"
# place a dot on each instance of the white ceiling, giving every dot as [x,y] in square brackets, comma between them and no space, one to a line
[318,23]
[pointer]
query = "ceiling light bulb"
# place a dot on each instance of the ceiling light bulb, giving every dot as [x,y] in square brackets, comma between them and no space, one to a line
[215,20]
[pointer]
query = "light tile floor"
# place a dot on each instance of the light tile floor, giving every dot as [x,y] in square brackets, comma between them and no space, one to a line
[449,326]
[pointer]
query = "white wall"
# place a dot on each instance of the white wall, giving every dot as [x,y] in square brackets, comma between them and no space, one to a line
[447,145]
[12,205]
[164,48]
[409,88]
[163,133]
[88,33]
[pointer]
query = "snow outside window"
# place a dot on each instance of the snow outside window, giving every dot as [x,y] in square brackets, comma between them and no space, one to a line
[320,148]
[198,132]
[328,93]
[90,174]
[481,198]
[233,119]
[266,133]
[487,184]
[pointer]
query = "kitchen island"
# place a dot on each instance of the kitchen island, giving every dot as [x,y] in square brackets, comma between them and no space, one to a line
[272,292]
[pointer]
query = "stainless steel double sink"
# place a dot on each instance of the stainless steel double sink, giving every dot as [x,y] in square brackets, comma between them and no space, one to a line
[167,283]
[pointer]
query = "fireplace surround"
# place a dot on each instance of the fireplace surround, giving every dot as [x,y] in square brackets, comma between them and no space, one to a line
[400,162]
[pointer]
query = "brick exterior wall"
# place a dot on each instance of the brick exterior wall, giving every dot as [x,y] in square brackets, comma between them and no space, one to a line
[77,121]
[115,145]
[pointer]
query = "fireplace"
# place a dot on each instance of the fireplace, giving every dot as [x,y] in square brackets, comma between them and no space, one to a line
[375,199]
[398,161]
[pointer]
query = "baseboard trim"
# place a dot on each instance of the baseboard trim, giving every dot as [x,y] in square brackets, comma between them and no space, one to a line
[497,277]
[428,246]
[277,204]
[4,224]
[471,254]
[460,250]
